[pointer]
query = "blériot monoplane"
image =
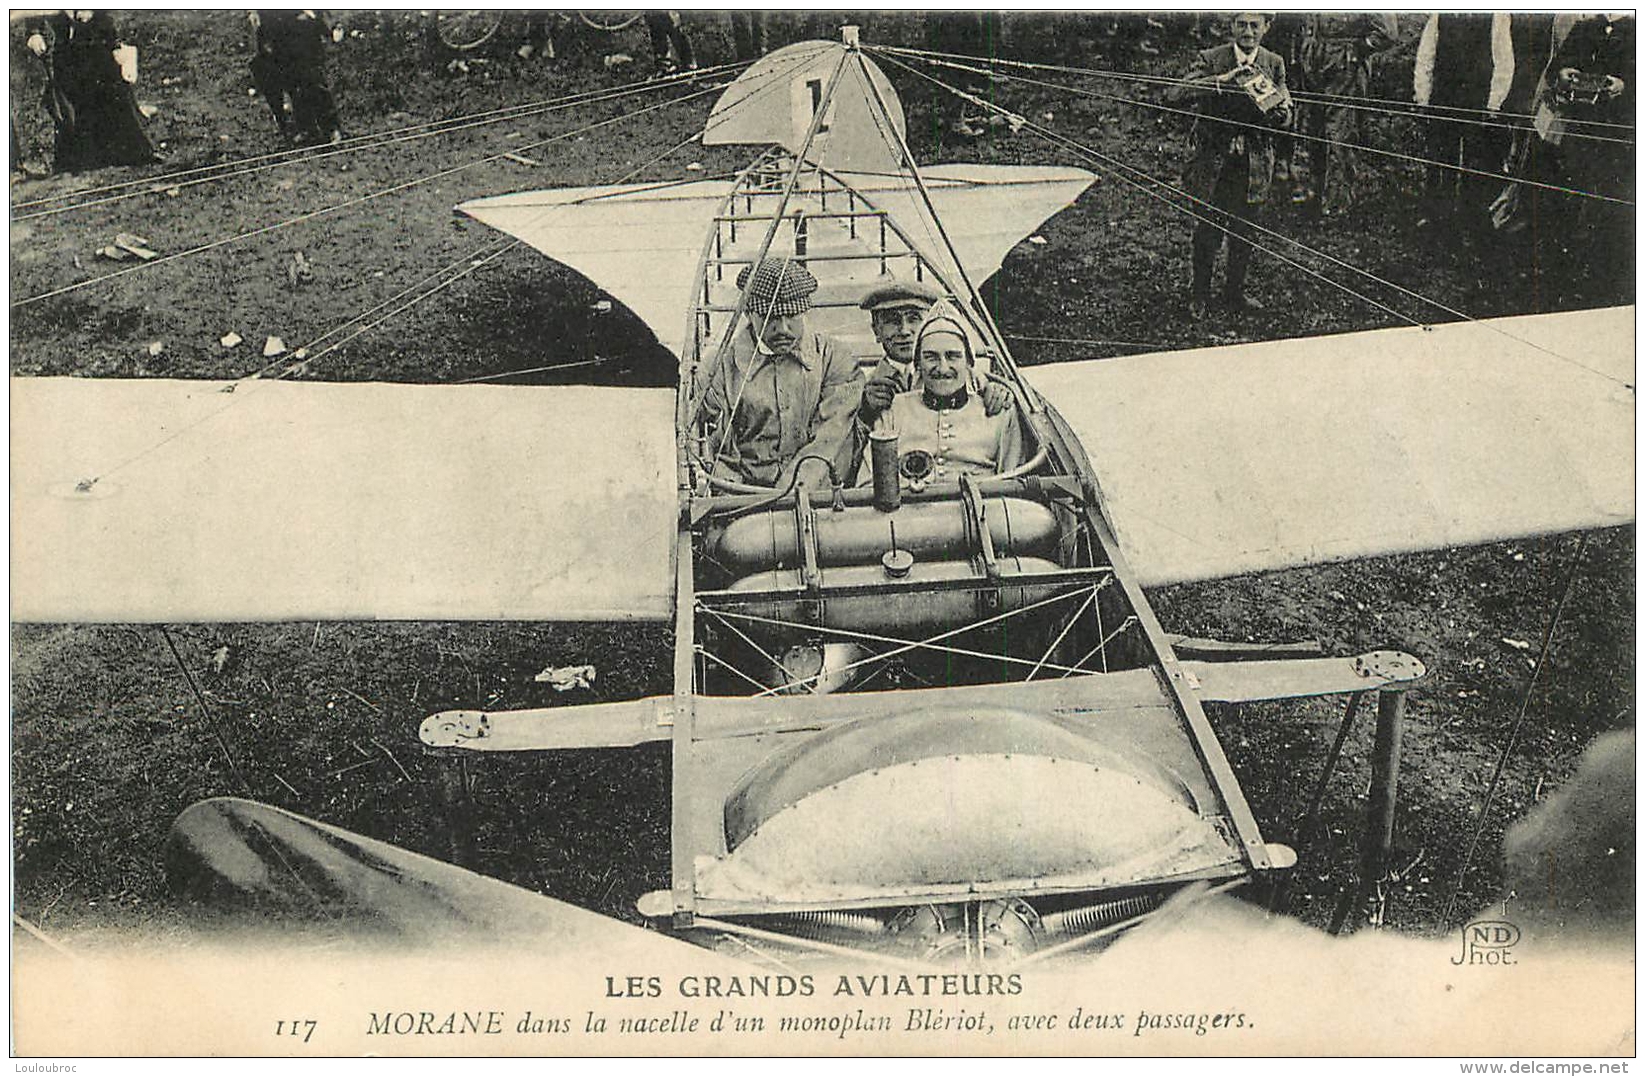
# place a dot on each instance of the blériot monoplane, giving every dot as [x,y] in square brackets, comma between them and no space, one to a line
[938,724]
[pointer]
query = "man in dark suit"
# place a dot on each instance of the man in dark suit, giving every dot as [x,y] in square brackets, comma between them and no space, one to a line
[1240,94]
[288,60]
[1464,67]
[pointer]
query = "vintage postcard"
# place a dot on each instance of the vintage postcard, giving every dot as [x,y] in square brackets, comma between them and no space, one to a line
[790,533]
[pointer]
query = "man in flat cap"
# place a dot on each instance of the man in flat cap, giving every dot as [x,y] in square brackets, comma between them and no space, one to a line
[781,399]
[898,308]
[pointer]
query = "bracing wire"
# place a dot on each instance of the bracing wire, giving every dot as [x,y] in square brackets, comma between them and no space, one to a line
[509,244]
[303,218]
[1519,722]
[1091,342]
[307,155]
[1120,169]
[1299,135]
[304,359]
[1373,104]
[475,261]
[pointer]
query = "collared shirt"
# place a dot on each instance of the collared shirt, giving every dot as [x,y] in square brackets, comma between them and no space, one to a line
[962,441]
[785,406]
[900,374]
[1244,59]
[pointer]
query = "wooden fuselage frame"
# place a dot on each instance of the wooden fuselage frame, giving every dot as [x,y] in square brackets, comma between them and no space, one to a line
[705,762]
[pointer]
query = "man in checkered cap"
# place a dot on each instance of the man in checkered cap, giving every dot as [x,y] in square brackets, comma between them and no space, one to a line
[781,399]
[897,309]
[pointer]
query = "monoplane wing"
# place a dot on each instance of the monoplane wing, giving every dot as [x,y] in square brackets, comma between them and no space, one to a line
[643,243]
[155,500]
[984,210]
[1240,459]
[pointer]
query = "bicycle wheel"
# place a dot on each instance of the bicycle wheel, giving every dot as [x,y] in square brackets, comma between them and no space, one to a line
[465,30]
[610,21]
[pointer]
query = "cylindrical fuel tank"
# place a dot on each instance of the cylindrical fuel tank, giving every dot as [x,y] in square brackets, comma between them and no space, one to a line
[894,615]
[930,530]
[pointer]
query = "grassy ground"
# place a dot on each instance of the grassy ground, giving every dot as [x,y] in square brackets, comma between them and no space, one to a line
[109,742]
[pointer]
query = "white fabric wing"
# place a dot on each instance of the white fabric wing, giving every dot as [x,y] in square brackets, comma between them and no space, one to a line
[375,501]
[1223,461]
[642,243]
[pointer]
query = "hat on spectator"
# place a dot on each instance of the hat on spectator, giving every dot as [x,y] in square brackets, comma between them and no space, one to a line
[777,286]
[890,292]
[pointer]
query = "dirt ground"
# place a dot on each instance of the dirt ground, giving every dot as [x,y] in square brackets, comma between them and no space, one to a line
[109,744]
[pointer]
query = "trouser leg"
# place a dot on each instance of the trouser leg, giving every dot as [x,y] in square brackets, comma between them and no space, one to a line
[1207,238]
[1240,235]
[267,78]
[657,24]
[682,44]
[317,112]
[1233,198]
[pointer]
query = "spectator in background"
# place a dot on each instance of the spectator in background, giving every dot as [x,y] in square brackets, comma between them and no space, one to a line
[964,33]
[1239,91]
[670,48]
[88,92]
[289,62]
[1586,84]
[1338,50]
[1464,67]
[1595,63]
[1284,38]
[748,34]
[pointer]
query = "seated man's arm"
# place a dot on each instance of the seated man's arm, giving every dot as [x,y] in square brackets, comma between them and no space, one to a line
[1011,448]
[714,414]
[834,428]
[997,395]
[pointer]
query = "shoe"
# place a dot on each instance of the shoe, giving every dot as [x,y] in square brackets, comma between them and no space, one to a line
[1198,307]
[1242,304]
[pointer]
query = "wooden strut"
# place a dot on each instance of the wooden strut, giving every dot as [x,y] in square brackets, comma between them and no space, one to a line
[457,802]
[1279,899]
[1379,817]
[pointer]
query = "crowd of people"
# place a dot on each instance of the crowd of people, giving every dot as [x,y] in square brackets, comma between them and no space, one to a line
[90,73]
[1513,112]
[1499,99]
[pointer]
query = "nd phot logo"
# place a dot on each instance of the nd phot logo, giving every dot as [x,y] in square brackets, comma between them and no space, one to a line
[1488,942]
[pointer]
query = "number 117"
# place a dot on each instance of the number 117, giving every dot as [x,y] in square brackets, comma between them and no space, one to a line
[303,1028]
